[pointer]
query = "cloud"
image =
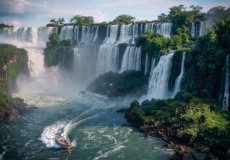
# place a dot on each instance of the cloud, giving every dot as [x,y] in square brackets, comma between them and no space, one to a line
[141,9]
[13,6]
[39,12]
[14,23]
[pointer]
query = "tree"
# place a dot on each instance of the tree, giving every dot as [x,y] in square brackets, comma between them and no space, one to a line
[218,13]
[53,21]
[58,22]
[179,16]
[61,20]
[196,9]
[82,20]
[163,18]
[123,19]
[2,25]
[54,39]
[222,30]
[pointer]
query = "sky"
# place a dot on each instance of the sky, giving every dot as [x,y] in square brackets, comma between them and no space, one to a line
[40,12]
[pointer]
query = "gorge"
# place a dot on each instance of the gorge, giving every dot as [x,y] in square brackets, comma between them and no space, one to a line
[79,76]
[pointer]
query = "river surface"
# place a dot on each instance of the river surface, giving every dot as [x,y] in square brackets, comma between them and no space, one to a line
[90,121]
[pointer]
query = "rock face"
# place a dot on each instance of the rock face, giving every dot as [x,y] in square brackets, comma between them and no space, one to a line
[120,84]
[14,61]
[11,110]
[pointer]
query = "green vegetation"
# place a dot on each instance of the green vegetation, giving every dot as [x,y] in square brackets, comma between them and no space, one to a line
[153,42]
[10,107]
[82,20]
[185,119]
[59,52]
[13,61]
[56,23]
[156,45]
[116,85]
[123,19]
[2,25]
[207,59]
[218,13]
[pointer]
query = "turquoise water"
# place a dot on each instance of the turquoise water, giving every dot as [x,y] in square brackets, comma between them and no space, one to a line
[89,121]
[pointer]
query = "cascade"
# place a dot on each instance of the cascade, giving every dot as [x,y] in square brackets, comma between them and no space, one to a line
[36,61]
[201,29]
[96,34]
[158,83]
[193,29]
[179,78]
[204,26]
[28,34]
[107,59]
[131,59]
[88,34]
[125,34]
[225,102]
[66,32]
[108,55]
[92,58]
[146,64]
[164,29]
[153,66]
[149,26]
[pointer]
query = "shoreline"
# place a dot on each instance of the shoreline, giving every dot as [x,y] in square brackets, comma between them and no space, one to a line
[181,150]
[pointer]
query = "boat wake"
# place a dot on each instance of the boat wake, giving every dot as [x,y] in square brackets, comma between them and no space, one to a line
[50,133]
[60,128]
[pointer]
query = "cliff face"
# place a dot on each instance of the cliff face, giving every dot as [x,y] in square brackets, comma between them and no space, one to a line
[13,61]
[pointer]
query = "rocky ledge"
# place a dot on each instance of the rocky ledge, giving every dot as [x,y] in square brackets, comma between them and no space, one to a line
[11,108]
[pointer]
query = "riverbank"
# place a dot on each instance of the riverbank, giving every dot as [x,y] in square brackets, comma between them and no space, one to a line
[193,126]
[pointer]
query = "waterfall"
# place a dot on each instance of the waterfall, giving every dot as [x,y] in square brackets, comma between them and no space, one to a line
[158,83]
[27,34]
[179,78]
[153,67]
[146,64]
[96,34]
[93,57]
[131,59]
[66,32]
[125,34]
[36,61]
[225,102]
[201,29]
[107,59]
[164,29]
[111,34]
[193,29]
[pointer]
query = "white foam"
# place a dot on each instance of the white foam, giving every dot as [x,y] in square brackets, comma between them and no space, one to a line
[106,154]
[3,153]
[51,132]
[27,143]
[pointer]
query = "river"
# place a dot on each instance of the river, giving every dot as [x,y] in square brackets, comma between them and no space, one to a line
[90,121]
